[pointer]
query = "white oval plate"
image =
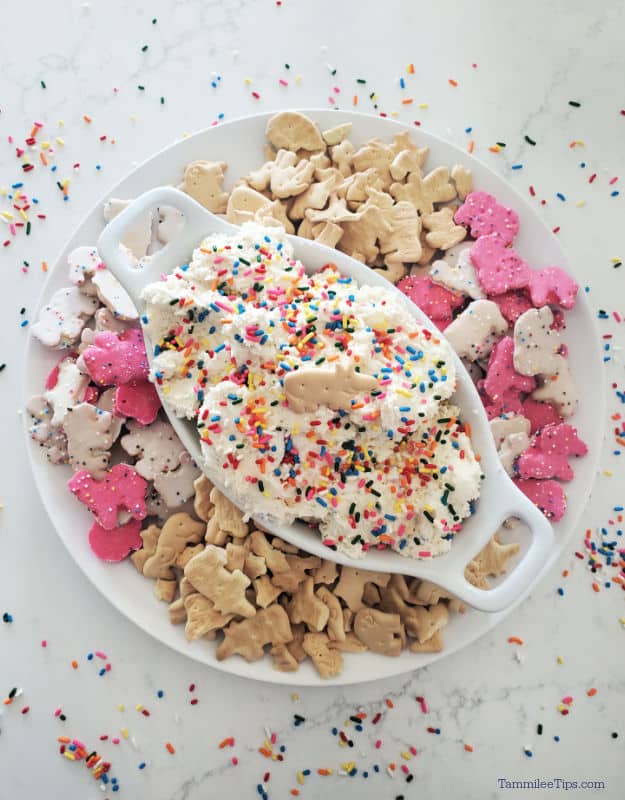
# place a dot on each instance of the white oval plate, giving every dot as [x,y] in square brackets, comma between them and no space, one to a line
[240,144]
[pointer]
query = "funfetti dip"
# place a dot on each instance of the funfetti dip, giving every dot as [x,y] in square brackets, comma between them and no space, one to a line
[314,398]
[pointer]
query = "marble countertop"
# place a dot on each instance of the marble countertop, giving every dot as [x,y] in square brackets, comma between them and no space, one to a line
[515,72]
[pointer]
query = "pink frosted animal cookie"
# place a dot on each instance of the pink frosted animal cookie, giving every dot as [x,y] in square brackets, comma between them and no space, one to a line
[547,495]
[549,451]
[114,358]
[121,488]
[499,268]
[434,300]
[509,402]
[539,414]
[116,544]
[553,286]
[512,304]
[138,400]
[501,376]
[484,216]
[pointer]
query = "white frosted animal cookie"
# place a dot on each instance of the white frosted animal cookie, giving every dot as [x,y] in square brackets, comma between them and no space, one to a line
[52,439]
[158,447]
[138,235]
[113,295]
[87,271]
[511,448]
[502,427]
[176,486]
[536,343]
[474,332]
[89,432]
[61,321]
[456,272]
[68,391]
[558,388]
[106,402]
[82,263]
[155,505]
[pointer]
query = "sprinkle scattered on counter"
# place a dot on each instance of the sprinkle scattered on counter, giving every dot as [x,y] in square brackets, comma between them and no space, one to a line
[75,750]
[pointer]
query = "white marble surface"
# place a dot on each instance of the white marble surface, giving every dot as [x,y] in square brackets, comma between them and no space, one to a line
[531,60]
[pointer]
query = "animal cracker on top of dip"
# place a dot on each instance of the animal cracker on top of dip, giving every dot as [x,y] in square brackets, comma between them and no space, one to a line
[314,398]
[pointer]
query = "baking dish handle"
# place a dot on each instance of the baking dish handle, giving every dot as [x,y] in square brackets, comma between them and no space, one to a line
[196,223]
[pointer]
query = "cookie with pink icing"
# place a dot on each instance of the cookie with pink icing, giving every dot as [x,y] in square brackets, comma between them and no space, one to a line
[116,358]
[437,302]
[509,402]
[539,414]
[553,286]
[549,453]
[548,495]
[483,215]
[501,376]
[499,268]
[122,488]
[138,400]
[513,303]
[114,545]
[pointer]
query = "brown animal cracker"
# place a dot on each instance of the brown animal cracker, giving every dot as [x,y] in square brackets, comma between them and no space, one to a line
[203,181]
[381,632]
[306,607]
[424,192]
[247,638]
[352,583]
[266,592]
[228,516]
[294,131]
[308,389]
[202,504]
[202,617]
[335,623]
[244,203]
[179,531]
[328,662]
[207,572]
[282,658]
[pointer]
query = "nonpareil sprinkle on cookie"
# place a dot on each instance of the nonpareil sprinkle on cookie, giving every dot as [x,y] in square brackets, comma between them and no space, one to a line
[314,397]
